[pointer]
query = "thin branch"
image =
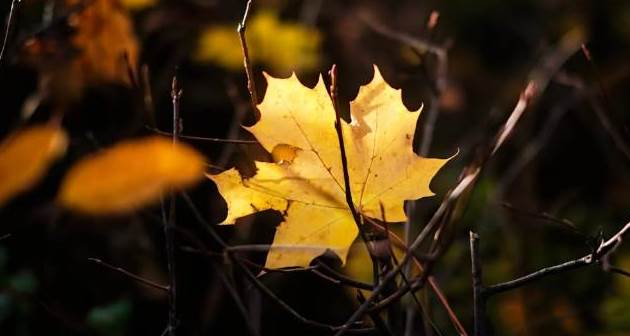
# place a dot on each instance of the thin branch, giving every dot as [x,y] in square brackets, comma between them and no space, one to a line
[130,275]
[239,302]
[344,280]
[479,307]
[380,325]
[204,224]
[251,85]
[519,282]
[608,125]
[619,271]
[8,27]
[176,94]
[449,311]
[421,46]
[266,247]
[417,259]
[6,236]
[342,149]
[147,96]
[274,270]
[240,111]
[346,174]
[467,181]
[190,137]
[253,279]
[562,222]
[258,284]
[481,293]
[599,256]
[441,72]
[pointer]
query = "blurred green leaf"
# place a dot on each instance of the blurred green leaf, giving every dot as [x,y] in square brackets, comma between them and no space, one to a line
[110,319]
[23,282]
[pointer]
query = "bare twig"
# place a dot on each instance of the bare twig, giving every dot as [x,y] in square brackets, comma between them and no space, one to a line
[6,236]
[536,144]
[468,179]
[599,256]
[603,117]
[190,137]
[449,311]
[342,149]
[479,307]
[346,174]
[204,224]
[441,71]
[321,269]
[8,27]
[482,293]
[379,324]
[344,279]
[251,85]
[147,95]
[240,110]
[418,44]
[519,282]
[266,247]
[618,271]
[176,94]
[563,222]
[258,284]
[239,302]
[255,281]
[130,275]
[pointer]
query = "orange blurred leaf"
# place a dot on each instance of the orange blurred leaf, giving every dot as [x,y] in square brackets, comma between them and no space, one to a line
[25,157]
[106,47]
[130,175]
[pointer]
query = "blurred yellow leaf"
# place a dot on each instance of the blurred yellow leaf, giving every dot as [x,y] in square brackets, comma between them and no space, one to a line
[279,45]
[130,175]
[25,157]
[309,188]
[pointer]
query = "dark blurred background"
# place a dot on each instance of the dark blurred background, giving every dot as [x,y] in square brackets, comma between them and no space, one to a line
[560,183]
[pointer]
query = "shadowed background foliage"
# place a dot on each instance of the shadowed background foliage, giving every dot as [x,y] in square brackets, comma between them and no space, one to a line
[560,183]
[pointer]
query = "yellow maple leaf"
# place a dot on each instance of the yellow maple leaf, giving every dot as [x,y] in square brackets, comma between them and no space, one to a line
[25,157]
[129,175]
[309,187]
[282,46]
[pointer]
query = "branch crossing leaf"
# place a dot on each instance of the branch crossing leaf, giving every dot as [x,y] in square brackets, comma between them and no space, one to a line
[307,183]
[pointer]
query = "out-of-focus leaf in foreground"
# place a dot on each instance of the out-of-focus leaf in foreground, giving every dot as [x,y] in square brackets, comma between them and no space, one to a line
[307,184]
[130,175]
[280,45]
[25,157]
